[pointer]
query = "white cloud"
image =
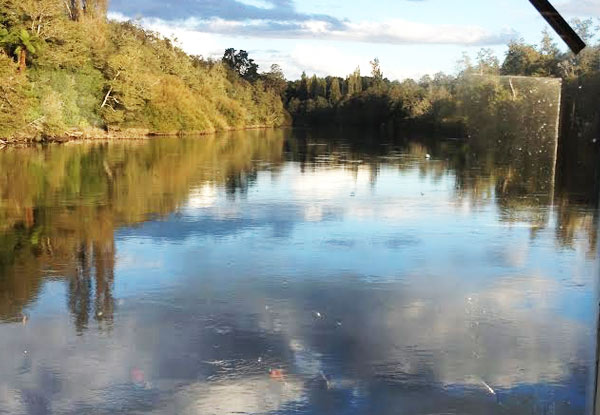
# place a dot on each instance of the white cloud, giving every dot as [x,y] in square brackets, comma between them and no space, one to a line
[392,31]
[325,60]
[257,3]
[210,37]
[398,31]
[192,41]
[581,8]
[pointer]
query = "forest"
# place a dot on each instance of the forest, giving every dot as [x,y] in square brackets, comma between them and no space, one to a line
[66,72]
[483,85]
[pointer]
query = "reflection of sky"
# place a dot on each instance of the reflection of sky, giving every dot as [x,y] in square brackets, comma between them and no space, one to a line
[372,298]
[299,224]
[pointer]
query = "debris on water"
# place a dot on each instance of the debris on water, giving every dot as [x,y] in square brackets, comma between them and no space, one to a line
[276,374]
[215,362]
[318,314]
[24,351]
[488,387]
[338,323]
[222,331]
[138,378]
[137,375]
[327,382]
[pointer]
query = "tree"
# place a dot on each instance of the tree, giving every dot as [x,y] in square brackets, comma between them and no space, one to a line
[335,93]
[41,17]
[241,63]
[354,82]
[585,29]
[19,43]
[550,56]
[303,88]
[315,87]
[487,62]
[350,89]
[322,87]
[95,8]
[14,102]
[77,9]
[357,80]
[376,74]
[275,79]
[464,64]
[547,46]
[521,59]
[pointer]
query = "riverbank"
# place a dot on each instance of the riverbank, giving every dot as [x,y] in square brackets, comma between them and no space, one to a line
[91,77]
[120,134]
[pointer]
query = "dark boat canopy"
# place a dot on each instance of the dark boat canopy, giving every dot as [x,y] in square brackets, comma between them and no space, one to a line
[559,24]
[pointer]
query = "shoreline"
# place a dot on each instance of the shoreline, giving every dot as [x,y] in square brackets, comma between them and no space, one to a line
[121,134]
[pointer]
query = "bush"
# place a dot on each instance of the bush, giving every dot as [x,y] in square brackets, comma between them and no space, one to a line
[14,102]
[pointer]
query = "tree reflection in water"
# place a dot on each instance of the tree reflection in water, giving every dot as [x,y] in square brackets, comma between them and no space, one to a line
[397,329]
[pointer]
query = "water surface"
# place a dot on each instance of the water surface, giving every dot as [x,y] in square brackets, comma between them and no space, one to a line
[295,272]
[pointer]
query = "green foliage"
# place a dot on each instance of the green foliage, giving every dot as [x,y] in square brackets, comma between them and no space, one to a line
[376,74]
[20,42]
[13,98]
[335,93]
[67,99]
[87,73]
[241,64]
[444,100]
[275,80]
[521,59]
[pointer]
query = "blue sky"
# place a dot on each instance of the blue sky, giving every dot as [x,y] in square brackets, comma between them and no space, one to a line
[410,37]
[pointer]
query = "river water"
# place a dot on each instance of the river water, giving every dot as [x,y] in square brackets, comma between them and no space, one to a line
[295,272]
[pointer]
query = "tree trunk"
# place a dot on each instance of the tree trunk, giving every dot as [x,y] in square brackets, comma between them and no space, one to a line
[77,9]
[23,60]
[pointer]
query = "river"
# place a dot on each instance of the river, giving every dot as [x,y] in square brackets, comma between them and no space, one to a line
[295,272]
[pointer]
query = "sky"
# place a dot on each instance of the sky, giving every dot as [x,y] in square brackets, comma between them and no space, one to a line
[411,38]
